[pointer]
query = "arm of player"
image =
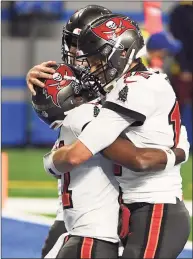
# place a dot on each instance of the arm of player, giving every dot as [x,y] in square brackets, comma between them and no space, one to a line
[67,157]
[182,145]
[48,163]
[115,116]
[124,152]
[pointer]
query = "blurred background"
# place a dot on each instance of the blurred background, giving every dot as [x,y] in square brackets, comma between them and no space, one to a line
[31,34]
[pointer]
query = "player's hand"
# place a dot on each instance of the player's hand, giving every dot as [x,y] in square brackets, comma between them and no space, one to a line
[42,70]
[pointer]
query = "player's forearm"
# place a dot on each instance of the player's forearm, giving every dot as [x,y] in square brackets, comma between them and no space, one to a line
[123,152]
[70,156]
[156,159]
[54,168]
[61,160]
[139,159]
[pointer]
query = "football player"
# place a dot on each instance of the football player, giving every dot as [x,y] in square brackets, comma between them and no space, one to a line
[91,207]
[143,107]
[45,70]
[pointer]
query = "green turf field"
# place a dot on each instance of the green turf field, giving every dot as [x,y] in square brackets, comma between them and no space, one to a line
[27,177]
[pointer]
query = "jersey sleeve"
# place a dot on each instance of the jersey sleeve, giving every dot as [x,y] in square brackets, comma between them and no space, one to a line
[78,119]
[133,99]
[104,130]
[127,103]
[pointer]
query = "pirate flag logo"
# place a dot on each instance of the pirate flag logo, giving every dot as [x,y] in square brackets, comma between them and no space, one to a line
[123,94]
[62,77]
[96,111]
[113,28]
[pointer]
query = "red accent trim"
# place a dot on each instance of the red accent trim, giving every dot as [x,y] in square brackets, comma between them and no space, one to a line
[144,74]
[66,239]
[117,170]
[125,216]
[86,249]
[154,231]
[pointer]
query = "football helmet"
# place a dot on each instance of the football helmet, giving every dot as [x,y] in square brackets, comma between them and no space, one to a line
[60,94]
[76,23]
[111,42]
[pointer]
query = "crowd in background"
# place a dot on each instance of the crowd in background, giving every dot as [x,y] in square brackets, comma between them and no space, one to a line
[170,51]
[174,56]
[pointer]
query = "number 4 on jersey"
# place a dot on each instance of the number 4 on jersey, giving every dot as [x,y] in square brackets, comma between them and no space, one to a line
[175,121]
[66,194]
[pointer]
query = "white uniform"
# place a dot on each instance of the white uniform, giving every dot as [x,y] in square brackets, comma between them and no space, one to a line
[59,213]
[90,191]
[144,107]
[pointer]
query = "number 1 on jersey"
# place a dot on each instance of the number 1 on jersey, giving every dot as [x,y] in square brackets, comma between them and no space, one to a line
[175,121]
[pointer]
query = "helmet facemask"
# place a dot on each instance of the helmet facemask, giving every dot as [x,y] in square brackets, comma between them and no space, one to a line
[110,43]
[106,65]
[69,46]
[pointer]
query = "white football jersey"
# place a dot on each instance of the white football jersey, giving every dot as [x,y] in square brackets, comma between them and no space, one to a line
[143,106]
[90,191]
[59,213]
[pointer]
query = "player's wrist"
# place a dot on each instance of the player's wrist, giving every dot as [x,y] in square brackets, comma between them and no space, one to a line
[171,159]
[49,165]
[180,155]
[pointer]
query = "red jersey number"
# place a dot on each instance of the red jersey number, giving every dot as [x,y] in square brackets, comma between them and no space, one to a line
[66,194]
[175,121]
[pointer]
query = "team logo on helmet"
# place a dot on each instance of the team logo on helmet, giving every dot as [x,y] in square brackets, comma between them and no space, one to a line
[62,77]
[113,28]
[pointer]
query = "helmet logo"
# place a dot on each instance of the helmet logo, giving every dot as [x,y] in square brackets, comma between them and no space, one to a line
[61,78]
[113,28]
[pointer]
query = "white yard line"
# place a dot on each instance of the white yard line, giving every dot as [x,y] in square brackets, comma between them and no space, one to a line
[11,213]
[188,245]
[48,222]
[23,216]
[32,205]
[46,205]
